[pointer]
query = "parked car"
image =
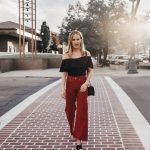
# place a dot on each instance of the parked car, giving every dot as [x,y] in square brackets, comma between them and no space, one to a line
[121,59]
[146,59]
[111,59]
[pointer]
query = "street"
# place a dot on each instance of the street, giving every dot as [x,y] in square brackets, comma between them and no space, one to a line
[137,89]
[13,90]
[136,86]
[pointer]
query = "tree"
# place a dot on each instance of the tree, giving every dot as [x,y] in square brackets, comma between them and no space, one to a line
[45,36]
[107,18]
[54,41]
[77,19]
[146,16]
[99,23]
[75,15]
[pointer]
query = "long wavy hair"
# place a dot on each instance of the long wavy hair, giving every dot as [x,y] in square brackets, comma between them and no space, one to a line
[70,47]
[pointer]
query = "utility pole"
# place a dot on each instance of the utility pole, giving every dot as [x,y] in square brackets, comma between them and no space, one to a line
[132,63]
[27,14]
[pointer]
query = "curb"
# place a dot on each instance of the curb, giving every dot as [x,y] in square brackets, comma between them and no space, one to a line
[138,121]
[11,114]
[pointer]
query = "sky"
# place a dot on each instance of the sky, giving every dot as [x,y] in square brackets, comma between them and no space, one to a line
[51,11]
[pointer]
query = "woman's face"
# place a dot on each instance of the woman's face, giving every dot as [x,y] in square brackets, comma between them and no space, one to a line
[76,41]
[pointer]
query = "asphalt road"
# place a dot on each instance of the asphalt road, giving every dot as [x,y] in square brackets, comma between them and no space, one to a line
[13,90]
[138,89]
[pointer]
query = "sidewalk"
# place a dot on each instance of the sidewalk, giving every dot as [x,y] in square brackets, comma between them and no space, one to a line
[42,124]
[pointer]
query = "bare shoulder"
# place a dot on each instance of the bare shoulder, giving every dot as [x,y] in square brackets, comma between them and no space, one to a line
[88,53]
[65,55]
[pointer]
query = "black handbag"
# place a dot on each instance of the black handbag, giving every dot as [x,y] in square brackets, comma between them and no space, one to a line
[91,91]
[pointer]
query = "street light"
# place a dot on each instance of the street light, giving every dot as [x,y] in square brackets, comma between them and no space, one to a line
[132,64]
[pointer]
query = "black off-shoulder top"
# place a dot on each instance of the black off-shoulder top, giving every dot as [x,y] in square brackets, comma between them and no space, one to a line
[76,66]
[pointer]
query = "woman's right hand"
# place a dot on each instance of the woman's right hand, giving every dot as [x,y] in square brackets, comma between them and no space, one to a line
[63,93]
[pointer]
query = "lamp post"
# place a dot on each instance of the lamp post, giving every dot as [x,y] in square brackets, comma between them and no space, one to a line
[132,64]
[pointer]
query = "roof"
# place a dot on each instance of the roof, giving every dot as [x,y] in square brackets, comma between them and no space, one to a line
[12,28]
[9,25]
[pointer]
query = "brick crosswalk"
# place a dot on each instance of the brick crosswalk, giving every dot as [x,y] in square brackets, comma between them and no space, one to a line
[43,125]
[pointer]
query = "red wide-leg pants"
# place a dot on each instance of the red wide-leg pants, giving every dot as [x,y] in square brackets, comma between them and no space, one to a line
[77,107]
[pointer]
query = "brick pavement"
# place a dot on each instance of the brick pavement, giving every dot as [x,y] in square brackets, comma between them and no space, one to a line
[43,125]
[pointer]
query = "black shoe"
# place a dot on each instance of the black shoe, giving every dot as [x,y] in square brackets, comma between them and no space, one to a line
[79,147]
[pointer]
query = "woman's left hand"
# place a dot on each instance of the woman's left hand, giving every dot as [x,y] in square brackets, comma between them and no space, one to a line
[83,87]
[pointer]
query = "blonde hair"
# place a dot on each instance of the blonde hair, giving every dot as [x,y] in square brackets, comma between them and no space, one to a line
[70,48]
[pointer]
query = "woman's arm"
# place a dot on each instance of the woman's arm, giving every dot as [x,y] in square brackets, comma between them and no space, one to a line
[89,71]
[63,84]
[63,79]
[86,83]
[89,75]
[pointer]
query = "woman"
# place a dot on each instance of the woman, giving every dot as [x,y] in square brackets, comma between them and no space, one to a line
[76,68]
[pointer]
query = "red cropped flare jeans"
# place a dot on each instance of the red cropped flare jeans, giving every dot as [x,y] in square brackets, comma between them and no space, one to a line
[77,107]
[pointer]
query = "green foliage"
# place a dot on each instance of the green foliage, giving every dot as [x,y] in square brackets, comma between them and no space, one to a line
[100,23]
[72,21]
[45,36]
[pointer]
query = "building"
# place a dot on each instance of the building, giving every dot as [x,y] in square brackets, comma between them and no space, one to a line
[9,37]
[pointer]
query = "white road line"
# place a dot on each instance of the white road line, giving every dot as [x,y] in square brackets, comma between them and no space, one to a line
[138,121]
[11,114]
